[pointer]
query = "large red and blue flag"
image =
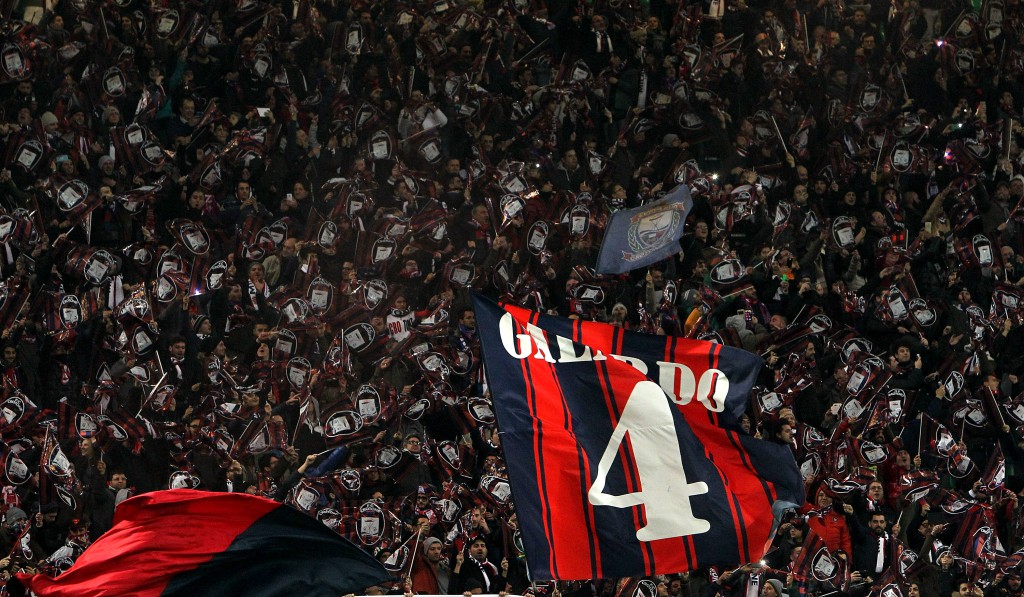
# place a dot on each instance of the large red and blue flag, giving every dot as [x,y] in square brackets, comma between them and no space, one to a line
[624,450]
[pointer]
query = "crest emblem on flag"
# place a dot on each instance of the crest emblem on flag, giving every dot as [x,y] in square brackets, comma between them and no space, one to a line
[295,310]
[215,275]
[417,409]
[843,232]
[297,371]
[15,469]
[645,588]
[70,311]
[644,235]
[342,423]
[855,345]
[368,403]
[195,238]
[167,24]
[873,453]
[71,194]
[182,480]
[906,560]
[810,466]
[902,158]
[462,275]
[983,250]
[327,234]
[648,230]
[320,295]
[388,456]
[480,409]
[448,451]
[86,425]
[29,155]
[537,237]
[375,292]
[496,488]
[114,82]
[823,566]
[12,60]
[99,266]
[923,313]
[58,465]
[116,431]
[728,271]
[350,479]
[359,337]
[957,506]
[152,154]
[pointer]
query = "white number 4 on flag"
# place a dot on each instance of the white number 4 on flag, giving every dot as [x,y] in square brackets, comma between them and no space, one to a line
[664,491]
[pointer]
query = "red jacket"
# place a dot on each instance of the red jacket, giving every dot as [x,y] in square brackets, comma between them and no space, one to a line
[424,579]
[833,530]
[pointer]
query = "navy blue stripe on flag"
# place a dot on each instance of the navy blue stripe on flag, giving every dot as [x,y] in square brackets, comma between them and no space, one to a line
[584,467]
[284,552]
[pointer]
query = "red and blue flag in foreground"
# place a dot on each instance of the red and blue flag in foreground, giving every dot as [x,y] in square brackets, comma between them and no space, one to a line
[624,450]
[188,543]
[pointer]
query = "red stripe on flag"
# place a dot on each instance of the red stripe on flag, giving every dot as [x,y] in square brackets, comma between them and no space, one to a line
[737,517]
[531,401]
[564,486]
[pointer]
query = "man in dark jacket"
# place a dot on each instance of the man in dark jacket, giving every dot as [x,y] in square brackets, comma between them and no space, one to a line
[476,572]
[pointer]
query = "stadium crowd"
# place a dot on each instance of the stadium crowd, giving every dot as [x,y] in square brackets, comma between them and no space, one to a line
[239,240]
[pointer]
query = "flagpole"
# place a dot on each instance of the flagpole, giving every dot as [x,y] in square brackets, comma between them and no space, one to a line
[881,149]
[955,21]
[412,560]
[529,54]
[903,83]
[779,134]
[17,315]
[860,584]
[149,397]
[995,404]
[306,398]
[1009,139]
[807,37]
[920,431]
